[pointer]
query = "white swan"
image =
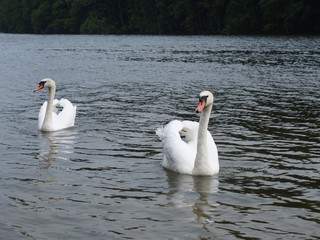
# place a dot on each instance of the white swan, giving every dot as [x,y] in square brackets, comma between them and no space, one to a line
[49,120]
[188,146]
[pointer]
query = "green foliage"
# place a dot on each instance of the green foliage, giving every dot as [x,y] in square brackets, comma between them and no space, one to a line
[41,17]
[15,16]
[243,17]
[95,25]
[291,16]
[161,16]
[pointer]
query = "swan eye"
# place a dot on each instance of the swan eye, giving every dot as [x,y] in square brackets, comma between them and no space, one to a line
[42,83]
[203,98]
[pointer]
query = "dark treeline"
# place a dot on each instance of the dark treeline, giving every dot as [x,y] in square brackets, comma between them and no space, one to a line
[160,16]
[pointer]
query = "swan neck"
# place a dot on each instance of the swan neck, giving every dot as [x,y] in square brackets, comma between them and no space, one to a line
[203,127]
[47,122]
[202,146]
[52,92]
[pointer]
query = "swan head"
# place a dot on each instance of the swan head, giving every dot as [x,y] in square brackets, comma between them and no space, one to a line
[205,99]
[47,82]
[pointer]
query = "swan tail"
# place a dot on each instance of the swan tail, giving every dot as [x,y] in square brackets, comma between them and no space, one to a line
[160,133]
[172,128]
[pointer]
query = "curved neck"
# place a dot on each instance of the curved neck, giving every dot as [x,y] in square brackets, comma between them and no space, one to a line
[47,122]
[201,161]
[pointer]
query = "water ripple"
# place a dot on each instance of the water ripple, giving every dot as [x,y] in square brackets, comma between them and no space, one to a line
[103,178]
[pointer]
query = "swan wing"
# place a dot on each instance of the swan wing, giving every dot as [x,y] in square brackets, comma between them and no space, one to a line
[190,131]
[179,155]
[66,117]
[42,113]
[54,105]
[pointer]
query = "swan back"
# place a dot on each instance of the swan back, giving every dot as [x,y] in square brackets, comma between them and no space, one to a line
[178,155]
[66,117]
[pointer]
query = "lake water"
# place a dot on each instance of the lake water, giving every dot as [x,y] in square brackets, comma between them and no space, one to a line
[103,179]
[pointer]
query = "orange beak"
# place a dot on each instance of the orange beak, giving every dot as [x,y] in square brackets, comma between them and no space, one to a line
[38,88]
[201,106]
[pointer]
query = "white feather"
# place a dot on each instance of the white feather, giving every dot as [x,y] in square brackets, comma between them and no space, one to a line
[180,147]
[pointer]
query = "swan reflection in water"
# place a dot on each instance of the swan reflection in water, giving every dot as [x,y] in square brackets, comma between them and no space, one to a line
[180,194]
[56,142]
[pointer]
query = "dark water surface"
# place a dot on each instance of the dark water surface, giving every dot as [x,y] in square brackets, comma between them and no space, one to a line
[103,179]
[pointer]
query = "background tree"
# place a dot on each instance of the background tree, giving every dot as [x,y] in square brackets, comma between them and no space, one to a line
[243,17]
[161,16]
[291,16]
